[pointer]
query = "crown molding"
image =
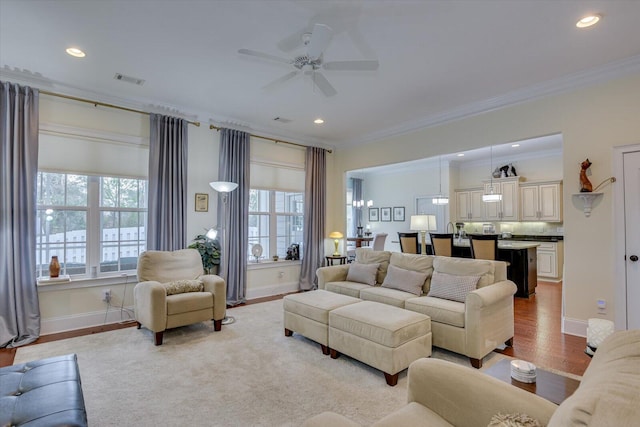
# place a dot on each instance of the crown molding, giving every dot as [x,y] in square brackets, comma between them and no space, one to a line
[563,84]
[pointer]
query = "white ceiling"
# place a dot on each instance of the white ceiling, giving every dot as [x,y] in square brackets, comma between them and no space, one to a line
[438,59]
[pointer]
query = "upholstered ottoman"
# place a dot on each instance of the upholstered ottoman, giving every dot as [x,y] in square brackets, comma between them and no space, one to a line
[383,336]
[307,314]
[41,393]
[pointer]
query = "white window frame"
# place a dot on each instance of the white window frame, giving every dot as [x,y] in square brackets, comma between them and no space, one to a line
[93,240]
[273,221]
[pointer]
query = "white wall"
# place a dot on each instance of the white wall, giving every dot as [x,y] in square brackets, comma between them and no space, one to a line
[591,120]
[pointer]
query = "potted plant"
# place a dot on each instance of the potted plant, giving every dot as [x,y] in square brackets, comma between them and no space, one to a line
[209,251]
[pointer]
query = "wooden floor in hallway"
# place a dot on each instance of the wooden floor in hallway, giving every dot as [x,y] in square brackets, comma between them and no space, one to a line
[537,333]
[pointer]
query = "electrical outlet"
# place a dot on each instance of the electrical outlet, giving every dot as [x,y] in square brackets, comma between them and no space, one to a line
[106,295]
[602,306]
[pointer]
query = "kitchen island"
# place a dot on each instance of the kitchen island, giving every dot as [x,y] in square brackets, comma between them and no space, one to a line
[521,256]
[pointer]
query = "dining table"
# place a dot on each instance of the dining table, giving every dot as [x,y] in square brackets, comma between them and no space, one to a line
[360,240]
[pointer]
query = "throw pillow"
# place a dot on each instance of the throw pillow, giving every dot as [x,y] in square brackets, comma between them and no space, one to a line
[404,280]
[362,273]
[513,420]
[182,286]
[452,287]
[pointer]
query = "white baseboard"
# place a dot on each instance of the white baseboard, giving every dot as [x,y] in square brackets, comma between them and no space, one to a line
[277,289]
[84,320]
[574,327]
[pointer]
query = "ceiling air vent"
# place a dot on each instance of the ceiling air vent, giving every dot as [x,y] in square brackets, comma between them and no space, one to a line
[129,79]
[281,120]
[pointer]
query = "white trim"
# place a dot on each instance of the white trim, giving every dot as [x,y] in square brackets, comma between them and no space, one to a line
[575,327]
[619,265]
[267,291]
[73,322]
[563,84]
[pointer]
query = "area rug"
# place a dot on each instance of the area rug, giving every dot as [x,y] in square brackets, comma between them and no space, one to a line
[248,374]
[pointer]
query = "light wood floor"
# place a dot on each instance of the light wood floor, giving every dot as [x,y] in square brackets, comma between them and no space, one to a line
[537,333]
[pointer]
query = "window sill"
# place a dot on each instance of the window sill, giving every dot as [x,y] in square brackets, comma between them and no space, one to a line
[252,265]
[86,282]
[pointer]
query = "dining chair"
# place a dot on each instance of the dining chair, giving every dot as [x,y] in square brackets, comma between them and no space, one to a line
[378,241]
[408,242]
[484,246]
[442,244]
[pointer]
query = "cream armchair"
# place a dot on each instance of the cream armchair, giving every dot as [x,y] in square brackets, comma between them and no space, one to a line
[158,311]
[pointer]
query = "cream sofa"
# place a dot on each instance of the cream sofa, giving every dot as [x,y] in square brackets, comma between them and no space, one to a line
[157,309]
[475,327]
[442,393]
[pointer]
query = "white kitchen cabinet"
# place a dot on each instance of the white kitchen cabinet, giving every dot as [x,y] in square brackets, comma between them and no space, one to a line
[541,201]
[469,205]
[508,208]
[550,260]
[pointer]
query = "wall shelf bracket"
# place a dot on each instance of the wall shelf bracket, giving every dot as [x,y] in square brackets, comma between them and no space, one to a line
[587,200]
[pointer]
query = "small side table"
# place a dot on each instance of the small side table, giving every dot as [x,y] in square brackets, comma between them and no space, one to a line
[332,259]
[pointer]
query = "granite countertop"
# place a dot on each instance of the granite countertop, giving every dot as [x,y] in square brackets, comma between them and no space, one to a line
[535,238]
[502,244]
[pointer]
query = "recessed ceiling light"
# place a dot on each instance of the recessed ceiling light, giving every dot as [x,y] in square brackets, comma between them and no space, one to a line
[588,20]
[460,154]
[515,145]
[74,51]
[318,121]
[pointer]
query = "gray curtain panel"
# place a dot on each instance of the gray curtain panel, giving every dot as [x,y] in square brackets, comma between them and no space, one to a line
[356,214]
[315,192]
[233,166]
[19,306]
[167,217]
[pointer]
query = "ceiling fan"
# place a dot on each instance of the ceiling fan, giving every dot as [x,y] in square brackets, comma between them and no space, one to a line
[312,61]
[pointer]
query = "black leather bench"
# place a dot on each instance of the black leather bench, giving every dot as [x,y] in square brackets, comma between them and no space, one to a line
[44,392]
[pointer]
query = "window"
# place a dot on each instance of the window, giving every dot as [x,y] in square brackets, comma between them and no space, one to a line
[79,218]
[276,220]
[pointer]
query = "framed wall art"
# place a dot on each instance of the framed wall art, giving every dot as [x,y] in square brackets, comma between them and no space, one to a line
[385,214]
[398,213]
[374,214]
[202,202]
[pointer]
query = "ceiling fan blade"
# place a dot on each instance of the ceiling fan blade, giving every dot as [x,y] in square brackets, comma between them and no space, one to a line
[351,65]
[281,80]
[323,84]
[265,56]
[320,38]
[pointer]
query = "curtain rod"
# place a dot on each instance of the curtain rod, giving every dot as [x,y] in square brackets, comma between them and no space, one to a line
[103,104]
[277,141]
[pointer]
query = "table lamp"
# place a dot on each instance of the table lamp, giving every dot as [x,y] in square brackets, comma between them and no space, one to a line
[336,236]
[423,223]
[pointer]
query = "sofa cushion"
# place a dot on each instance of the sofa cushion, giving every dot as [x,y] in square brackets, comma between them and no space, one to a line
[363,273]
[467,267]
[386,296]
[413,414]
[346,288]
[608,392]
[440,310]
[182,286]
[189,301]
[413,262]
[452,287]
[367,256]
[404,280]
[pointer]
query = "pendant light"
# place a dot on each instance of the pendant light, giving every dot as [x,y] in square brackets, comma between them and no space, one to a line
[440,199]
[492,196]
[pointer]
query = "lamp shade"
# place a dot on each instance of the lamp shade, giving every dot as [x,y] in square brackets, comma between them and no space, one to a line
[491,197]
[336,235]
[440,200]
[223,186]
[423,223]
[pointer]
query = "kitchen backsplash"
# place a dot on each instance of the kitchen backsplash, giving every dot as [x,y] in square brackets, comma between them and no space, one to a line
[529,228]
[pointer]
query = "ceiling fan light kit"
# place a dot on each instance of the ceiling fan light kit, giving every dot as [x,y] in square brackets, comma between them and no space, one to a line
[312,61]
